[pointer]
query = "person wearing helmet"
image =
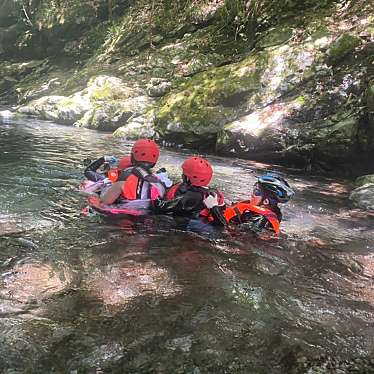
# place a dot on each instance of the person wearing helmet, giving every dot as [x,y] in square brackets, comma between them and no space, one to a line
[187,197]
[262,210]
[137,182]
[269,191]
[107,164]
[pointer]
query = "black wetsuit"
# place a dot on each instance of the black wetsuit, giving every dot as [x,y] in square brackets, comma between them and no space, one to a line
[188,202]
[91,172]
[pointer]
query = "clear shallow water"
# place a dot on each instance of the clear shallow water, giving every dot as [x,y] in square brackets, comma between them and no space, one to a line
[91,295]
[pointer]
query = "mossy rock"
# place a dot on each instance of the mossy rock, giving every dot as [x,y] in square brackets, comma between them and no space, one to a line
[207,101]
[107,88]
[106,117]
[364,179]
[342,47]
[135,129]
[275,36]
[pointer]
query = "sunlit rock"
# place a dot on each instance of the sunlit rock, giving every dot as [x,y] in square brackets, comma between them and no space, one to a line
[210,100]
[135,128]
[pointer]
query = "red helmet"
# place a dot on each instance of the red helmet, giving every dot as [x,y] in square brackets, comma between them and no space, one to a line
[145,150]
[124,163]
[198,171]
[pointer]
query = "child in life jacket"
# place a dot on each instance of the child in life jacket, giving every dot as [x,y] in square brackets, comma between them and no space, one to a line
[187,197]
[137,182]
[262,210]
[107,163]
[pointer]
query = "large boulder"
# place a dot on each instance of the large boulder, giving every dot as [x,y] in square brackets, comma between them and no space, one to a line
[61,109]
[106,104]
[363,197]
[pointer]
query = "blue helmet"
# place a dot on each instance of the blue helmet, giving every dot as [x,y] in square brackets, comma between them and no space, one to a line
[276,187]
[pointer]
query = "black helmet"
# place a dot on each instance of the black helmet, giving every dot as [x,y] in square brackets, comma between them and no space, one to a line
[277,187]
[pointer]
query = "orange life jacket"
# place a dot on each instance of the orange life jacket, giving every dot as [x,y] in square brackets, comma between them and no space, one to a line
[238,209]
[132,188]
[113,174]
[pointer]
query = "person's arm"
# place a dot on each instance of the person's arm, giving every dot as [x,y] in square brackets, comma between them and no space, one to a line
[91,172]
[112,193]
[216,208]
[217,214]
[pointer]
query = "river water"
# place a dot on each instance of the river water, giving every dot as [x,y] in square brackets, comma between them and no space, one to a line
[97,295]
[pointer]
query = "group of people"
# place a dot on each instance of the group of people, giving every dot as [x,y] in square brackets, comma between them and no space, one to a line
[133,179]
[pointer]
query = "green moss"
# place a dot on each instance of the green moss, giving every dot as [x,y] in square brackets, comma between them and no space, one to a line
[212,98]
[101,93]
[343,46]
[364,179]
[300,100]
[67,103]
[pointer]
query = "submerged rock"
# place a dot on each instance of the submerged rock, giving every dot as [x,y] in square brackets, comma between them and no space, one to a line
[34,281]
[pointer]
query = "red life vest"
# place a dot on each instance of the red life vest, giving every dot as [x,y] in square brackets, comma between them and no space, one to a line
[170,195]
[238,209]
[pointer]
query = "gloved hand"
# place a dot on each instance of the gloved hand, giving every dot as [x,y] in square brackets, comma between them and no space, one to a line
[107,181]
[211,200]
[111,159]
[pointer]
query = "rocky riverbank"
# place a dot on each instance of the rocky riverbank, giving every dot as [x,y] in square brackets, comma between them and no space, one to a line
[299,91]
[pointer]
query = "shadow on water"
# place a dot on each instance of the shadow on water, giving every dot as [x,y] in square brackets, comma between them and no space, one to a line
[89,295]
